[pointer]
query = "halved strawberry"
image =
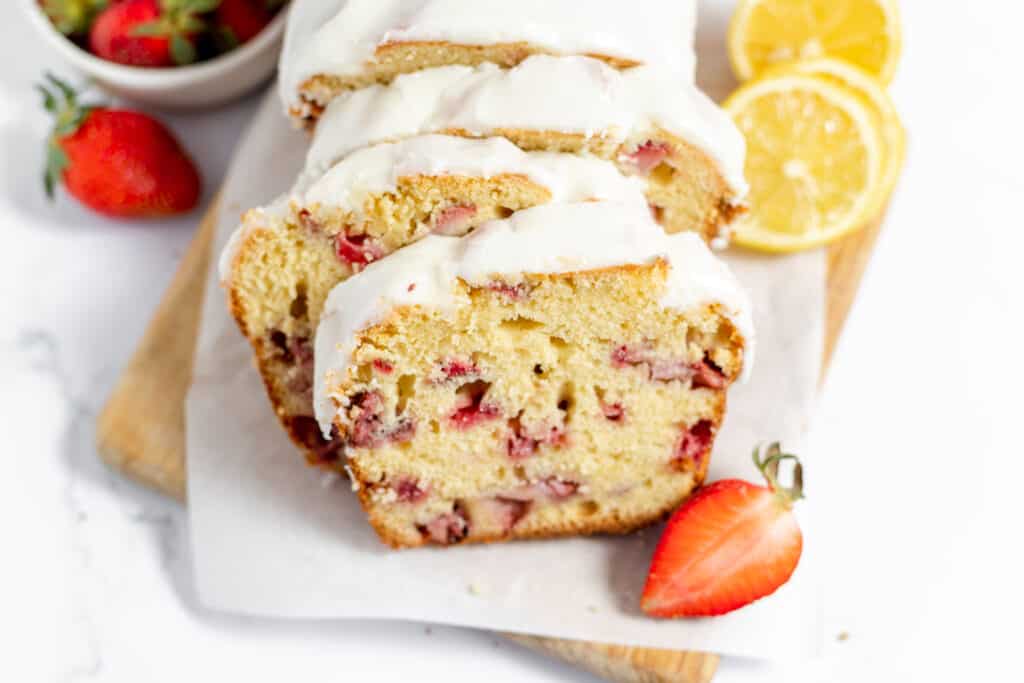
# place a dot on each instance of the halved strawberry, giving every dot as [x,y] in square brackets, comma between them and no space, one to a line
[729,545]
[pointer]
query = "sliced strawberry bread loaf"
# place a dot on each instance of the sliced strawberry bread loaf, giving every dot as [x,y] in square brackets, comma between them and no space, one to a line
[285,259]
[687,151]
[334,46]
[563,371]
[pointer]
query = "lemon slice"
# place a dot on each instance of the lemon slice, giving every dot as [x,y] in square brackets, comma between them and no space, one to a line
[864,32]
[893,133]
[815,158]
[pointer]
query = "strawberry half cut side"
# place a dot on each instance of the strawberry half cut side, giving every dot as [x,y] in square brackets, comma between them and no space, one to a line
[730,544]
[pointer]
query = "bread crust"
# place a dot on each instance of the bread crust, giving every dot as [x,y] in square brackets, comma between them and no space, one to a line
[303,430]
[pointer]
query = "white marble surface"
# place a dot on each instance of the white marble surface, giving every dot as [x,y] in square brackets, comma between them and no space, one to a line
[923,403]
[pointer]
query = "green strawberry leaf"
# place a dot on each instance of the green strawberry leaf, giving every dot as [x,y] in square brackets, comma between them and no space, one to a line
[225,39]
[201,6]
[157,28]
[182,50]
[72,17]
[190,6]
[70,96]
[189,23]
[56,162]
[71,120]
[49,101]
[61,100]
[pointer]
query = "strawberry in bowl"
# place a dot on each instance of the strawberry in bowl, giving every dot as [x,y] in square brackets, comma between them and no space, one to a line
[163,33]
[176,54]
[149,32]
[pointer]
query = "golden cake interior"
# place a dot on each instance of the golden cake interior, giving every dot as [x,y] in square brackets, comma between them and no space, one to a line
[684,187]
[283,272]
[547,406]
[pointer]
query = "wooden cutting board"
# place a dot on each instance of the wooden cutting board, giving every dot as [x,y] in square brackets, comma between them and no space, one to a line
[141,431]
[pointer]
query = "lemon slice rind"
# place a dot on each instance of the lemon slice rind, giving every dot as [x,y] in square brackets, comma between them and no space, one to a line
[751,232]
[894,135]
[781,49]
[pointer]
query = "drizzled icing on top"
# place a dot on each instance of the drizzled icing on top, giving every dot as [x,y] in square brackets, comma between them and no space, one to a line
[572,94]
[377,170]
[339,37]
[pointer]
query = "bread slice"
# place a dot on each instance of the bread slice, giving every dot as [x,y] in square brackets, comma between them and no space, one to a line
[285,259]
[560,372]
[652,126]
[331,49]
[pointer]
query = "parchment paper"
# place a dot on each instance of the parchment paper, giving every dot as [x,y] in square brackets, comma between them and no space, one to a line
[273,538]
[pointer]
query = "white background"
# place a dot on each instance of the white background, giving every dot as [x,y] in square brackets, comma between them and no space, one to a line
[925,550]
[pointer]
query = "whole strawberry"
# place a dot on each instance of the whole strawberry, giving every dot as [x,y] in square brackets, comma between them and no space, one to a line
[150,32]
[72,17]
[119,163]
[240,21]
[730,544]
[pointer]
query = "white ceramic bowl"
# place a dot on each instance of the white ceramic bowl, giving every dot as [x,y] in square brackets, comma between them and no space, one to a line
[206,84]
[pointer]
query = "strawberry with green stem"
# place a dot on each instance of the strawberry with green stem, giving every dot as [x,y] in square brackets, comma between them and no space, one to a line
[150,32]
[730,544]
[121,163]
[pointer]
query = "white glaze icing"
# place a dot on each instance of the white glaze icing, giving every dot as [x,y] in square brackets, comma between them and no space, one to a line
[570,94]
[575,237]
[339,38]
[377,170]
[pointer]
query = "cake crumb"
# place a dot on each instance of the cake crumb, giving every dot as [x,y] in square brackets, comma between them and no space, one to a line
[592,609]
[475,588]
[843,636]
[384,496]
